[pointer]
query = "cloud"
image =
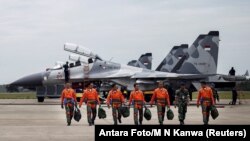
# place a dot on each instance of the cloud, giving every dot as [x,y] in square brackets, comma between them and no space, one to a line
[33,32]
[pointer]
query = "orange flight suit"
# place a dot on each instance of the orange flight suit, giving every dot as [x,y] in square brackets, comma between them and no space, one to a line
[115,98]
[68,98]
[68,94]
[161,97]
[206,99]
[138,100]
[90,96]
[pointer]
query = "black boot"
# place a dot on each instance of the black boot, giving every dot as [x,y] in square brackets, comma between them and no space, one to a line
[140,123]
[181,122]
[90,124]
[119,119]
[69,123]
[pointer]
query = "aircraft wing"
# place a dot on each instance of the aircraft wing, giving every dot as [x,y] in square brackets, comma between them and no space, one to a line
[166,75]
[232,78]
[176,76]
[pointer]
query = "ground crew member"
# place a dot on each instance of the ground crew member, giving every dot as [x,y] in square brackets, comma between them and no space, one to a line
[66,72]
[206,99]
[182,100]
[232,71]
[215,93]
[137,98]
[116,99]
[68,99]
[234,96]
[161,97]
[90,96]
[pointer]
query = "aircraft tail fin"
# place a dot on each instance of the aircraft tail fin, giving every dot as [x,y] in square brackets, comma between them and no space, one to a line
[247,73]
[145,61]
[202,56]
[172,59]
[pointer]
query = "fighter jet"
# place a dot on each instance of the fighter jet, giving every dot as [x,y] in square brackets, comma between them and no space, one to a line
[145,61]
[97,69]
[200,58]
[174,59]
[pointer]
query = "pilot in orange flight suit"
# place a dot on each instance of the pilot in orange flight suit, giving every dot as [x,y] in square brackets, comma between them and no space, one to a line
[116,99]
[138,100]
[68,98]
[161,97]
[90,96]
[206,99]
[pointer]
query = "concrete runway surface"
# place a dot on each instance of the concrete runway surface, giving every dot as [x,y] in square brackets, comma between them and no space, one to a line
[27,120]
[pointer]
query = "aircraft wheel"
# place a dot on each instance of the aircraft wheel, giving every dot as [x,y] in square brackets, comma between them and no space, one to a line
[78,99]
[148,98]
[40,99]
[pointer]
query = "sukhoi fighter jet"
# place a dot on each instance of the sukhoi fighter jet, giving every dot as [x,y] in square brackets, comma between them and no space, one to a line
[200,58]
[200,63]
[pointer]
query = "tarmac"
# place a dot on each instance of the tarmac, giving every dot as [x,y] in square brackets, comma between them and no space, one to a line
[28,120]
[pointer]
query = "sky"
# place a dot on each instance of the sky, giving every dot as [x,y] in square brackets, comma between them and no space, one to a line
[33,32]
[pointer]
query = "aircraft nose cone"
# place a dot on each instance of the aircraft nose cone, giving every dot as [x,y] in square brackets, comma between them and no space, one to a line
[30,80]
